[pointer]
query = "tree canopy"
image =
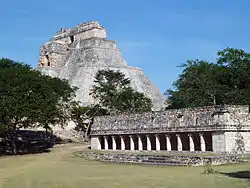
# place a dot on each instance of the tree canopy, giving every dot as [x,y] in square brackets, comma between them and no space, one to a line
[114,93]
[203,83]
[83,117]
[30,99]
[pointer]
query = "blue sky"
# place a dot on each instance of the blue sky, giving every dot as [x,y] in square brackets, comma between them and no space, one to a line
[156,36]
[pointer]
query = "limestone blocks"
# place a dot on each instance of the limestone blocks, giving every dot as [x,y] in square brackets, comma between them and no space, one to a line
[78,53]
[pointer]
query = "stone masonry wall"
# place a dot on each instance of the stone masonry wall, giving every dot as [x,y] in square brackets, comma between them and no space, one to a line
[169,160]
[218,141]
[77,54]
[231,138]
[95,143]
[90,34]
[82,31]
[211,118]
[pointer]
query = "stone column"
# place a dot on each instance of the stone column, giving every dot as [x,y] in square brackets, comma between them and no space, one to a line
[95,142]
[99,146]
[140,148]
[191,142]
[106,145]
[168,142]
[132,144]
[148,143]
[113,143]
[202,141]
[179,143]
[157,143]
[122,142]
[219,142]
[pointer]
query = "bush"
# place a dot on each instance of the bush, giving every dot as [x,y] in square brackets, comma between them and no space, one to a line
[209,170]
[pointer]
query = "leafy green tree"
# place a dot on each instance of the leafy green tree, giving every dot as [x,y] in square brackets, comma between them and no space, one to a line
[132,101]
[114,93]
[202,83]
[197,85]
[237,62]
[30,99]
[83,117]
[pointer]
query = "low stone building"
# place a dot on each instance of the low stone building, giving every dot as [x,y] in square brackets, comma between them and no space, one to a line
[213,128]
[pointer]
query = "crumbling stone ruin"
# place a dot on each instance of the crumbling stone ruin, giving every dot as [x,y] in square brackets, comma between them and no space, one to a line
[214,128]
[162,158]
[76,54]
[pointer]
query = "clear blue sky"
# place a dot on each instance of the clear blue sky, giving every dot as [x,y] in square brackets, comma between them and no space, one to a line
[156,36]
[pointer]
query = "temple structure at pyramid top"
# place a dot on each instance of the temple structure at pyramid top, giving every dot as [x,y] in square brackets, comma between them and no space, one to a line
[77,54]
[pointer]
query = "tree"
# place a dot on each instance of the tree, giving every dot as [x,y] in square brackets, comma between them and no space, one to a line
[202,83]
[83,117]
[132,101]
[30,99]
[114,93]
[197,85]
[237,61]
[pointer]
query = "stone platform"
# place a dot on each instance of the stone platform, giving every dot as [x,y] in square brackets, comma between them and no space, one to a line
[168,159]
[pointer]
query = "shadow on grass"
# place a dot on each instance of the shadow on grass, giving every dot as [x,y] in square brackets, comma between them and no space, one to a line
[238,174]
[30,142]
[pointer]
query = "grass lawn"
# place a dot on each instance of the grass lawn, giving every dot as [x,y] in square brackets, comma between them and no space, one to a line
[60,168]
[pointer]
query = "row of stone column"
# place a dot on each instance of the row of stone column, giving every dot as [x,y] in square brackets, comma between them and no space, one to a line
[158,143]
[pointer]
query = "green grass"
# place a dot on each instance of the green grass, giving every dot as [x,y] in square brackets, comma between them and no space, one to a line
[61,168]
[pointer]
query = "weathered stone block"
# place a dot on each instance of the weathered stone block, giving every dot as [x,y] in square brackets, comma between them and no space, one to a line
[77,54]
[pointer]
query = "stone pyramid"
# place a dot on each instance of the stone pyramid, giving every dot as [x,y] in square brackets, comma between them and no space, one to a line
[76,54]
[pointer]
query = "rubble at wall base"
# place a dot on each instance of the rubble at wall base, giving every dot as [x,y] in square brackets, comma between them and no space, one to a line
[164,160]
